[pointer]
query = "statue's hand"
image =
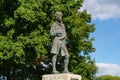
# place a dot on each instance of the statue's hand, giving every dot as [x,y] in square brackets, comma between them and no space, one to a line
[59,34]
[56,38]
[68,55]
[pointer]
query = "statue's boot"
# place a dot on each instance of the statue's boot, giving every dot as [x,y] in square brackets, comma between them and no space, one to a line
[55,72]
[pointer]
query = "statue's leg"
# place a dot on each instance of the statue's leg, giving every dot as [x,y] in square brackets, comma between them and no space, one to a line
[66,57]
[66,62]
[54,59]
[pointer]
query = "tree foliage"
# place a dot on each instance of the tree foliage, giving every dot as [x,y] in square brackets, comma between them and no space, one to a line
[108,77]
[25,40]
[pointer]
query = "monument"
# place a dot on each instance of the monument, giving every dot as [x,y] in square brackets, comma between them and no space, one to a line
[58,34]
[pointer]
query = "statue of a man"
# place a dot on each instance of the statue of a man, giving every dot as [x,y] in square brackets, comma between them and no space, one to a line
[58,34]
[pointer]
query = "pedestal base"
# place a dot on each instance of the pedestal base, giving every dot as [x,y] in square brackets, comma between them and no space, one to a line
[62,76]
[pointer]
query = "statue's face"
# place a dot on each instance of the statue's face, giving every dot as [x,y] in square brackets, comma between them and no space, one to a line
[59,17]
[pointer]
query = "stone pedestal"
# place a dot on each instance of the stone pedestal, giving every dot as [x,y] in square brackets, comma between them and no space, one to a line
[62,76]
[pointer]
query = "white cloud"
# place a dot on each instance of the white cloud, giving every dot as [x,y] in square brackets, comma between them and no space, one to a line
[102,9]
[108,69]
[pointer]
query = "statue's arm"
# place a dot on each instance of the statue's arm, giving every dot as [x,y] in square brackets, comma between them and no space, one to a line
[53,31]
[64,33]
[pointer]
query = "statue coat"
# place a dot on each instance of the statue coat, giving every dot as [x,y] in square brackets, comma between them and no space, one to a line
[58,34]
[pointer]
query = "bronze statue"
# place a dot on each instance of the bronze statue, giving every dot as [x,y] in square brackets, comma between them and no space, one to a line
[58,34]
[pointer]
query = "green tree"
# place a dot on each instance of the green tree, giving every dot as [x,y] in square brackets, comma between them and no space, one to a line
[25,40]
[108,77]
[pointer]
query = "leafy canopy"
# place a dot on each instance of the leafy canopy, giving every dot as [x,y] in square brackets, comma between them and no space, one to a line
[24,36]
[108,77]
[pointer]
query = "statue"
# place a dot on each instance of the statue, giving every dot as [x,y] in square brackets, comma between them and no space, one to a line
[58,34]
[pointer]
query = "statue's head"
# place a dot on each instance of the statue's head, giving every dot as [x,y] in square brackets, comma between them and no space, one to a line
[58,15]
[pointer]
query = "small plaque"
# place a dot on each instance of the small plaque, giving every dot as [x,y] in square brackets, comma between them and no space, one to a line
[73,79]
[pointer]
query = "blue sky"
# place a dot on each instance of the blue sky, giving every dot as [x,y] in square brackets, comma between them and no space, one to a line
[107,41]
[106,16]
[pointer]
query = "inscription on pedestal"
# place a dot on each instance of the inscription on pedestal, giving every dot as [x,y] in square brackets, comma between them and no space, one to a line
[74,79]
[53,78]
